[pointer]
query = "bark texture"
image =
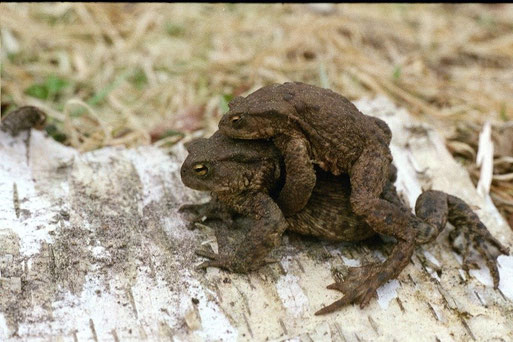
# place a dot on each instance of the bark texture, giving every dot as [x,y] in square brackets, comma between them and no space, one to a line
[92,248]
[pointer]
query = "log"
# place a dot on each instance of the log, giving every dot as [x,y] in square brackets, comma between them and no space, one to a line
[92,248]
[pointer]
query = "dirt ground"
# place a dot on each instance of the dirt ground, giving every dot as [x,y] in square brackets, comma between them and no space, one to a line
[135,74]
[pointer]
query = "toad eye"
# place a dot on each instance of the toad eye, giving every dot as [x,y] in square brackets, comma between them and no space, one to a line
[200,169]
[235,118]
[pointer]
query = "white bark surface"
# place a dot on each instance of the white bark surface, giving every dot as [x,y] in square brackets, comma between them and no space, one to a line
[92,249]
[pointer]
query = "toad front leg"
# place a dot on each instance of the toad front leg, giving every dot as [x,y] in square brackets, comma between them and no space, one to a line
[368,177]
[212,210]
[299,174]
[268,224]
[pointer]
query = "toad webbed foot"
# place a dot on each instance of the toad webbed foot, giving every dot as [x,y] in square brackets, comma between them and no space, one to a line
[216,260]
[227,262]
[470,238]
[474,240]
[359,286]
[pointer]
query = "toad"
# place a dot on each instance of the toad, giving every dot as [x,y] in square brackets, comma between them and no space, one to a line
[245,178]
[315,126]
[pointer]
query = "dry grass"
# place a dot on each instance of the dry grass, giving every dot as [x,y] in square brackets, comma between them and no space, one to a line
[127,74]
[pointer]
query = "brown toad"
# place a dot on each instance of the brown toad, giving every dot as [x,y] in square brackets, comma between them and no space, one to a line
[311,125]
[245,178]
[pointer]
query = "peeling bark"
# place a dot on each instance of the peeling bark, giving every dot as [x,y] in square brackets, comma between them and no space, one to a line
[92,248]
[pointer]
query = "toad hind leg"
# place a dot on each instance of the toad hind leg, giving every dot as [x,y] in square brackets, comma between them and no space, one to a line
[436,208]
[361,283]
[368,177]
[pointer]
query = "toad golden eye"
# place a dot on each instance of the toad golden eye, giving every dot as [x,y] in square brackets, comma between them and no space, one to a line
[200,169]
[235,118]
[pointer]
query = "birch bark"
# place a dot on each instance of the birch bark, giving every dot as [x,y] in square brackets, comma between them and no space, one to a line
[92,248]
